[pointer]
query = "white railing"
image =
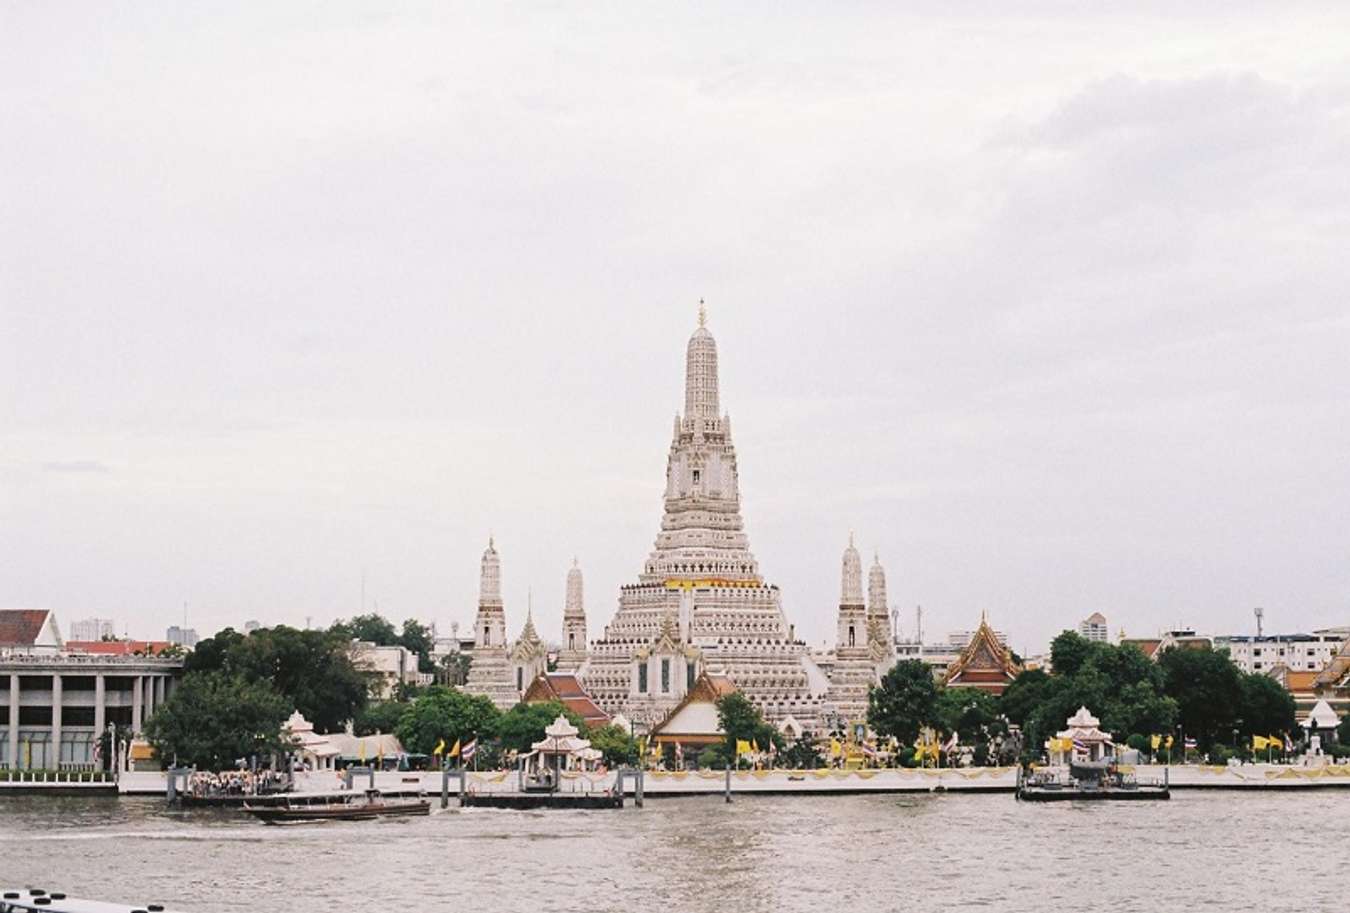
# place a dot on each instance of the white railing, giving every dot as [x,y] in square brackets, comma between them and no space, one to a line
[88,659]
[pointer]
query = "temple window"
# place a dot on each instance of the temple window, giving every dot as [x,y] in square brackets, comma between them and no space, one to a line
[696,476]
[642,679]
[487,636]
[665,676]
[571,641]
[689,677]
[520,679]
[850,635]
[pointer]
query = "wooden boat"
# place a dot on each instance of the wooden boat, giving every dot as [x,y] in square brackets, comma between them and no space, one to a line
[371,805]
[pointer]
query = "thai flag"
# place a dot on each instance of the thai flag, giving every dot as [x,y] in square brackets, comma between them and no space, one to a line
[1191,743]
[467,752]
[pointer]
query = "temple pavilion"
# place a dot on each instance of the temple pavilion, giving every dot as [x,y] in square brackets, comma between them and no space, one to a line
[1081,740]
[985,663]
[693,724]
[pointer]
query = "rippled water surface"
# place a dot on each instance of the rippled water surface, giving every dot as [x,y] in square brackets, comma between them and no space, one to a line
[1208,850]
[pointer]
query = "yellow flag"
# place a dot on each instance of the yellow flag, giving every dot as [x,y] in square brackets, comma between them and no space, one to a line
[440,747]
[1155,741]
[835,748]
[1169,741]
[1276,742]
[754,746]
[454,752]
[1260,742]
[742,747]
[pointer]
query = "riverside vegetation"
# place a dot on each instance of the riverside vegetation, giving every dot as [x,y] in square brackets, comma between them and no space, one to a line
[238,689]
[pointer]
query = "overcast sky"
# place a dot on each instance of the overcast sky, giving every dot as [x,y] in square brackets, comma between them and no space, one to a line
[1050,308]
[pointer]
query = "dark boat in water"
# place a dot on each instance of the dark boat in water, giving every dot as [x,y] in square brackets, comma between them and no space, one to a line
[371,805]
[1093,780]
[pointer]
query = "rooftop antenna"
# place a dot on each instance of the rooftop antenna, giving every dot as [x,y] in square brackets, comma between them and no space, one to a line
[1260,614]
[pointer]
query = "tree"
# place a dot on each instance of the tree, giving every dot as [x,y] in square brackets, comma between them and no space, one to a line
[1208,690]
[1024,695]
[312,670]
[372,627]
[444,713]
[615,743]
[1069,652]
[741,721]
[213,719]
[383,716]
[456,666]
[802,755]
[971,713]
[416,638]
[524,724]
[1119,684]
[1267,709]
[210,653]
[904,702]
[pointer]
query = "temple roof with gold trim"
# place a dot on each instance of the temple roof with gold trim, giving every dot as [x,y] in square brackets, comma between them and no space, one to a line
[984,663]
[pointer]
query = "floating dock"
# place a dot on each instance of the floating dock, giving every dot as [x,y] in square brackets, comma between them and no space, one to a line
[541,800]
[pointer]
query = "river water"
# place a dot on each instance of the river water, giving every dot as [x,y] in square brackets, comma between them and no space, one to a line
[1202,850]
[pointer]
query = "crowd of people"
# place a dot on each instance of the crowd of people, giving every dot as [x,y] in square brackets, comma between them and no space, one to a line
[235,783]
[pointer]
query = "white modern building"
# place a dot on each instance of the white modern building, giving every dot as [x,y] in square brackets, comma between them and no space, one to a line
[1299,652]
[1094,628]
[388,667]
[54,704]
[183,637]
[92,629]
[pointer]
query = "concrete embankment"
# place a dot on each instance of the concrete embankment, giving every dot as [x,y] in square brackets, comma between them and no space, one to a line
[807,782]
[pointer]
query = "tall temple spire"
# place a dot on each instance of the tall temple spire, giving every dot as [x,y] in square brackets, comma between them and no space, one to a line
[574,601]
[702,535]
[573,653]
[700,375]
[850,587]
[876,589]
[490,576]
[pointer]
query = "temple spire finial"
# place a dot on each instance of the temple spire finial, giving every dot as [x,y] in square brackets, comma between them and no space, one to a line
[702,313]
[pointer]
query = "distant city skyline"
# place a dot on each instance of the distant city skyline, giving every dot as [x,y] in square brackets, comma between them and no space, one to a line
[1046,306]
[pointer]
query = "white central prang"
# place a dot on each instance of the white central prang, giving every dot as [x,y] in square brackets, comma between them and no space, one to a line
[700,603]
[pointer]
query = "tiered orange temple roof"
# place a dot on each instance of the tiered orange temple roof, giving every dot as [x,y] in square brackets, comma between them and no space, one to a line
[984,663]
[565,688]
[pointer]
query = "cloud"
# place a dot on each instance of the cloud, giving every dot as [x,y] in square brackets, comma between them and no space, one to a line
[76,466]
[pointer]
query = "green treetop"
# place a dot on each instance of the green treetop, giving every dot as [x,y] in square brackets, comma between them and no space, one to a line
[444,713]
[904,702]
[213,719]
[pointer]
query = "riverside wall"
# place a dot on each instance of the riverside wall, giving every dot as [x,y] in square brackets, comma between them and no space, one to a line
[890,780]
